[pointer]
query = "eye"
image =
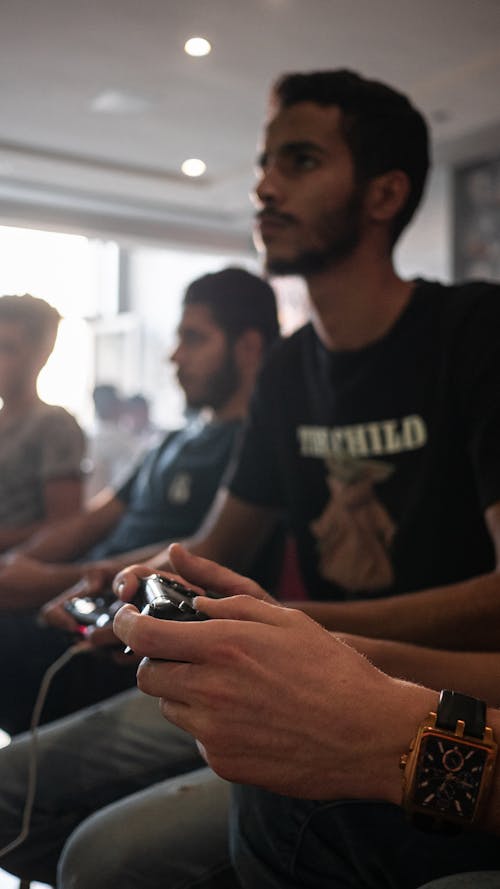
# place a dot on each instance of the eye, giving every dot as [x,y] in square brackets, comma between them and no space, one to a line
[304,160]
[192,338]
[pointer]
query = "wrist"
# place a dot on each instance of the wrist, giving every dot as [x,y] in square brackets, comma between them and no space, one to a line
[403,710]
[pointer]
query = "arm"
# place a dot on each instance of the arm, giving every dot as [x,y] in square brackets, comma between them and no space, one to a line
[460,616]
[68,538]
[232,684]
[232,533]
[27,583]
[474,672]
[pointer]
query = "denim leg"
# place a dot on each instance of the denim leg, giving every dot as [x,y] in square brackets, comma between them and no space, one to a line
[281,843]
[173,835]
[477,880]
[27,650]
[85,762]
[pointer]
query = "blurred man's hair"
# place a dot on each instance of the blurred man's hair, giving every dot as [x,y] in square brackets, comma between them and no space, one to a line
[39,319]
[107,401]
[239,301]
[381,127]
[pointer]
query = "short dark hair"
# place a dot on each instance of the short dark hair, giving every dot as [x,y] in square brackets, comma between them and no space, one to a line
[381,127]
[239,301]
[107,401]
[39,319]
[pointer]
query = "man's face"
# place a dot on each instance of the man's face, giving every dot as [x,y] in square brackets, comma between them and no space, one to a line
[309,206]
[206,368]
[17,358]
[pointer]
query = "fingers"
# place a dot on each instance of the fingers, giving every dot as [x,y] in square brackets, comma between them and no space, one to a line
[126,582]
[243,608]
[102,637]
[210,575]
[163,639]
[197,642]
[95,579]
[55,615]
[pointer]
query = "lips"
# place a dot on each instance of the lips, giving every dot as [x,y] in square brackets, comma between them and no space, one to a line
[270,224]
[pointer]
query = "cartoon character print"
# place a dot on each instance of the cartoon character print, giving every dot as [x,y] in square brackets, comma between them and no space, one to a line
[354,532]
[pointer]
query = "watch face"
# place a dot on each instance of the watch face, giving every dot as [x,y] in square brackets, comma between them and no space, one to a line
[449,776]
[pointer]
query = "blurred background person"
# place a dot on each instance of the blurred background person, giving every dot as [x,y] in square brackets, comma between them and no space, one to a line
[228,323]
[112,450]
[41,445]
[137,422]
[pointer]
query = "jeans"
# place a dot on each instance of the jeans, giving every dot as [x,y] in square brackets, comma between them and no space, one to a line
[123,799]
[27,650]
[478,880]
[282,843]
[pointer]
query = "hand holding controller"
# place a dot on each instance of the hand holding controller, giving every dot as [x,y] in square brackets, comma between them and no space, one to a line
[169,600]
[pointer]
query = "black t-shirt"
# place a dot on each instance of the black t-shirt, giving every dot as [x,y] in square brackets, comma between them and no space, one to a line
[168,496]
[385,458]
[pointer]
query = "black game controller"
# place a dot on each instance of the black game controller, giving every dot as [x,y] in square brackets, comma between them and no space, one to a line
[156,596]
[170,600]
[93,612]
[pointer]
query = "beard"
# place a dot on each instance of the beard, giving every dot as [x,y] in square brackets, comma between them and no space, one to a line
[219,387]
[337,234]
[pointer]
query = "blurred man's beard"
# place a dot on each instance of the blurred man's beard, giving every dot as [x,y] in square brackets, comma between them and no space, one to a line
[339,233]
[220,387]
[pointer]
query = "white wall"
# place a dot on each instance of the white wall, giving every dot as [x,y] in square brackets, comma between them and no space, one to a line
[426,249]
[158,279]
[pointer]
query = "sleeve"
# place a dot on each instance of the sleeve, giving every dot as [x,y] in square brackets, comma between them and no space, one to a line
[142,467]
[63,447]
[477,377]
[255,475]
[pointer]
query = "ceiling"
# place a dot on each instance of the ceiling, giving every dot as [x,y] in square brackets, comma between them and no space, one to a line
[118,171]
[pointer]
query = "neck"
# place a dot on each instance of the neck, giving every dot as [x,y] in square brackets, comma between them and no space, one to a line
[356,302]
[18,405]
[235,408]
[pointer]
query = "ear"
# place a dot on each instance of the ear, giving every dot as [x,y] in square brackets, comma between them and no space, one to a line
[248,348]
[386,195]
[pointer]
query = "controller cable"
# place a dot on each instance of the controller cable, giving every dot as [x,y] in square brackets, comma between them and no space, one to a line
[35,719]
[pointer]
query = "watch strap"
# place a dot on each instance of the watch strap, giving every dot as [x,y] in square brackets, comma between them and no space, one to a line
[454,706]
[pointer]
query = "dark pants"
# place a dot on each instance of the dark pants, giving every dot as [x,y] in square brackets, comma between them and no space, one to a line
[282,843]
[27,650]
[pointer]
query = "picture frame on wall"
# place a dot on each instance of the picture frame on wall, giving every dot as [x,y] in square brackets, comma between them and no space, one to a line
[477,221]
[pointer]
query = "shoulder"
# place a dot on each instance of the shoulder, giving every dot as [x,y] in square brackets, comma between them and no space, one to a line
[458,301]
[57,424]
[286,354]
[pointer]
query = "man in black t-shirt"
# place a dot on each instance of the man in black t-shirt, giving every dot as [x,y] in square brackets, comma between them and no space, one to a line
[376,428]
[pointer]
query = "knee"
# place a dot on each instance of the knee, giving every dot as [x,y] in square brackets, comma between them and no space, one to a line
[97,855]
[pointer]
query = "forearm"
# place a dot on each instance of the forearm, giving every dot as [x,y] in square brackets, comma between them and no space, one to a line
[463,616]
[11,537]
[69,538]
[473,673]
[50,580]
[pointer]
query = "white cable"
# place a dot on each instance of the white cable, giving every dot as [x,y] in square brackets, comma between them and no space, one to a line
[35,718]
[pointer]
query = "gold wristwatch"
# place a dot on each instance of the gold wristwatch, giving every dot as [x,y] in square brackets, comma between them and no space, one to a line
[449,767]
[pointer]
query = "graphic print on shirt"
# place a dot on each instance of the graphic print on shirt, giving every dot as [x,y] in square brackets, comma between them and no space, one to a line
[179,490]
[354,532]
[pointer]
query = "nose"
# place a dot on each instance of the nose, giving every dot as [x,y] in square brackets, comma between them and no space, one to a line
[174,356]
[266,190]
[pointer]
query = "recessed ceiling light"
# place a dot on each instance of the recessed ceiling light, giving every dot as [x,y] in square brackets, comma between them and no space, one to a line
[193,167]
[117,102]
[197,46]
